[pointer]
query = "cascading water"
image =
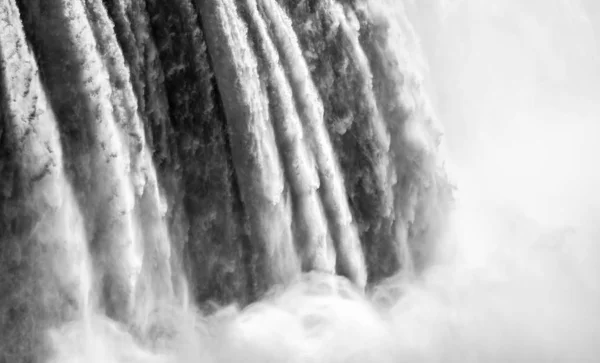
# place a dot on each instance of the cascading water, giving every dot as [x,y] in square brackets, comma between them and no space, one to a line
[264,181]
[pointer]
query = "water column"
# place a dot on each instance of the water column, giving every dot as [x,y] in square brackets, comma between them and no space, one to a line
[47,242]
[350,123]
[149,207]
[313,240]
[421,190]
[217,250]
[254,149]
[105,147]
[349,253]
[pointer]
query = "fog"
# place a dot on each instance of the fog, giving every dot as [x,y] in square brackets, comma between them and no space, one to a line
[516,85]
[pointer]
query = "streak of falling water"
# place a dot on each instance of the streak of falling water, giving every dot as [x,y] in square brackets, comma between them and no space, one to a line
[350,257]
[60,257]
[147,209]
[313,235]
[118,236]
[251,129]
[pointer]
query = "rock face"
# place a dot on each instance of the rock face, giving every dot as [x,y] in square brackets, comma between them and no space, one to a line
[200,150]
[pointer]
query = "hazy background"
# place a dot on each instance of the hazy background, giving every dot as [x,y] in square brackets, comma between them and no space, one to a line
[516,84]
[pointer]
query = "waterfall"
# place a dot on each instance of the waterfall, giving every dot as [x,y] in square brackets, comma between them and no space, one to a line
[48,251]
[230,180]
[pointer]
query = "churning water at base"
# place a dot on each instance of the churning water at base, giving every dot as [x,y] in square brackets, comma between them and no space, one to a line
[536,302]
[262,181]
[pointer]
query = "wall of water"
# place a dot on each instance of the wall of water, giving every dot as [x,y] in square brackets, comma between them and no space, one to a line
[266,181]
